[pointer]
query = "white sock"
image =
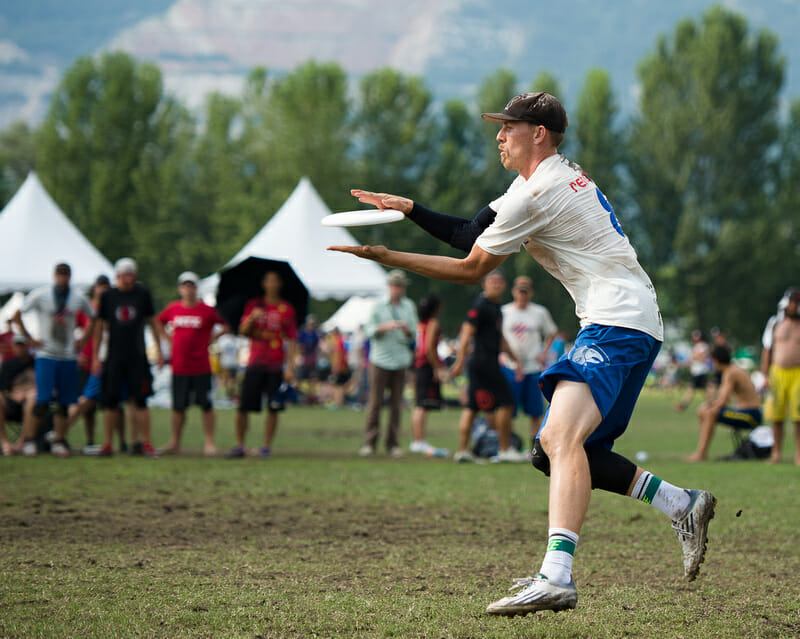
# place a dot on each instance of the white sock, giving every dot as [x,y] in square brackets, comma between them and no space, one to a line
[557,563]
[669,499]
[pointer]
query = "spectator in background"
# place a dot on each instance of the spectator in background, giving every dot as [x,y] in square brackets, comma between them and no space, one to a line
[529,330]
[270,323]
[735,385]
[780,362]
[191,325]
[308,373]
[125,311]
[488,390]
[86,361]
[18,397]
[357,362]
[57,377]
[390,329]
[92,393]
[699,369]
[228,346]
[340,370]
[426,371]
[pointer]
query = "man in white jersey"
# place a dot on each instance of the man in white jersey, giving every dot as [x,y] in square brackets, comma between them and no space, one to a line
[56,369]
[564,221]
[529,330]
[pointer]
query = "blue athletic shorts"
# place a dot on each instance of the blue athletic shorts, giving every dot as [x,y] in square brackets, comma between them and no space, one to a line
[614,362]
[747,418]
[94,390]
[59,377]
[526,393]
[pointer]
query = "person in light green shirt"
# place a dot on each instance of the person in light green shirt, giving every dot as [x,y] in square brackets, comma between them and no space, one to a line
[390,329]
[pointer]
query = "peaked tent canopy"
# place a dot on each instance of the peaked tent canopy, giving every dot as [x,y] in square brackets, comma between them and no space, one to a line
[295,234]
[37,236]
[353,313]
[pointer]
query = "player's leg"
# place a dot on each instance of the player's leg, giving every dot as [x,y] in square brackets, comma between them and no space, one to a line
[572,418]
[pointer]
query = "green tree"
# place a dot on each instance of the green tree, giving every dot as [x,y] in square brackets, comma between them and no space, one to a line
[17,158]
[493,94]
[306,125]
[597,143]
[222,173]
[701,163]
[101,118]
[178,235]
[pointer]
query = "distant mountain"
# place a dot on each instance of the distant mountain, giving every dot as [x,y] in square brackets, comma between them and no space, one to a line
[204,45]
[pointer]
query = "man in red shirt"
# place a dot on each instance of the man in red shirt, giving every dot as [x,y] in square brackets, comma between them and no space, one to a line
[191,329]
[270,324]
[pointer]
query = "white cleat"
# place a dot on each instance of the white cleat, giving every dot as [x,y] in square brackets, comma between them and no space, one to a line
[537,594]
[692,531]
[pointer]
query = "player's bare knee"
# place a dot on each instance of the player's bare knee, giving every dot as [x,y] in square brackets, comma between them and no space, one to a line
[556,441]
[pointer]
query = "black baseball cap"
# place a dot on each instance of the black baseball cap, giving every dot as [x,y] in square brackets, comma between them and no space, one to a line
[537,108]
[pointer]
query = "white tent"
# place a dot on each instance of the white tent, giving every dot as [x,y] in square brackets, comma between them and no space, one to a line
[295,234]
[350,315]
[36,236]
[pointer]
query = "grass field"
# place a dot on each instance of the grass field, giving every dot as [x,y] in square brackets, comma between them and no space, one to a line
[317,542]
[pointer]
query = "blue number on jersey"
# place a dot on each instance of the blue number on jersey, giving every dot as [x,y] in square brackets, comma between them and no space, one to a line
[612,218]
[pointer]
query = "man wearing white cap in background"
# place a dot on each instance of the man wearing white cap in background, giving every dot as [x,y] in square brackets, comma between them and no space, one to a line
[189,324]
[125,311]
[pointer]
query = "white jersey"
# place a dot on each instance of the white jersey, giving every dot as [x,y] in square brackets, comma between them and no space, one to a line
[57,326]
[526,330]
[565,222]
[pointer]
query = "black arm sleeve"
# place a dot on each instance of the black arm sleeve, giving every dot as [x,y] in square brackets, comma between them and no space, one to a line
[455,231]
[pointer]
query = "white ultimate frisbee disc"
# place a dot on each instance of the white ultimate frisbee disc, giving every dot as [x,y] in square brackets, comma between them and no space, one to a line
[363,217]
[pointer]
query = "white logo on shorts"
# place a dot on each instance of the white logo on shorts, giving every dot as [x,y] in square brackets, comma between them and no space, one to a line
[588,356]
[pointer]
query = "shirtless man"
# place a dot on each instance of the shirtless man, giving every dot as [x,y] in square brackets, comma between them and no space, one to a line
[736,386]
[781,364]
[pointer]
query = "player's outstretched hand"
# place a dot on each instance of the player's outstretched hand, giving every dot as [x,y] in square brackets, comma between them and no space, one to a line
[376,253]
[384,200]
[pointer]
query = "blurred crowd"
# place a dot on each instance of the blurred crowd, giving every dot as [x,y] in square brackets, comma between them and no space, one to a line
[111,353]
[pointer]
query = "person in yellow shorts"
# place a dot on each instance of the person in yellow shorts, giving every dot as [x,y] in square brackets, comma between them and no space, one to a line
[780,361]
